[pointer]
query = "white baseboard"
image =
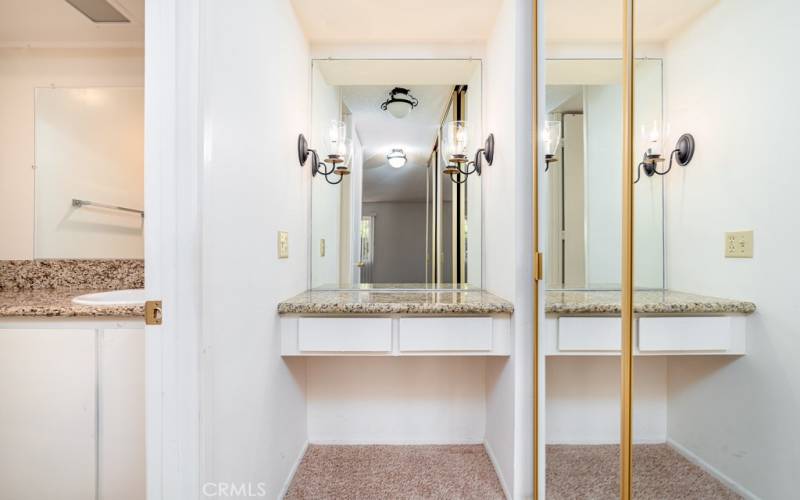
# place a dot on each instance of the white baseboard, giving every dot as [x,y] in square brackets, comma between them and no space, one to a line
[293,471]
[497,470]
[724,479]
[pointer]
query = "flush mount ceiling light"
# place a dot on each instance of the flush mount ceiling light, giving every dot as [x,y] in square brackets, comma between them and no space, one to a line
[99,11]
[400,102]
[397,158]
[455,143]
[682,153]
[340,153]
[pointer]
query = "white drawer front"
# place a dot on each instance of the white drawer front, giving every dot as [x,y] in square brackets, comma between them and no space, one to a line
[589,334]
[445,334]
[691,333]
[345,334]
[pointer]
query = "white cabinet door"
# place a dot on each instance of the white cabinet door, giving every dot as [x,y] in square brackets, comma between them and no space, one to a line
[121,451]
[47,414]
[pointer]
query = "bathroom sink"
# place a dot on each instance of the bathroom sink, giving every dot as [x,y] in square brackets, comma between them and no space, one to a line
[130,297]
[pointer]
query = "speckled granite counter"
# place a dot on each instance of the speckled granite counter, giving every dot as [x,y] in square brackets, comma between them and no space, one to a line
[395,302]
[45,288]
[50,303]
[655,302]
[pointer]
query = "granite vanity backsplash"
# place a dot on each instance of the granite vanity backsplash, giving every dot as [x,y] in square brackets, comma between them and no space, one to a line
[71,274]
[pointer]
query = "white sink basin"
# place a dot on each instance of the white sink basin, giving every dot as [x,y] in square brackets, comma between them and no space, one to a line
[131,297]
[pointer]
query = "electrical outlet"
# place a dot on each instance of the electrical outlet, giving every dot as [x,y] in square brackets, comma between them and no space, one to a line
[322,247]
[739,245]
[283,245]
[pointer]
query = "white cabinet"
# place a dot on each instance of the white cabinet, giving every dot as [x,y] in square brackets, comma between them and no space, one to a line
[396,335]
[653,335]
[47,414]
[71,410]
[121,451]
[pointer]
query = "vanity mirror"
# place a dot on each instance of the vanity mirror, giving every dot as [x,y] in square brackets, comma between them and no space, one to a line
[89,180]
[584,175]
[393,209]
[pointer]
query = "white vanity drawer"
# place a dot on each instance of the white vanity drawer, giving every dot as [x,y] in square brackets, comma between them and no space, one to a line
[589,334]
[445,334]
[691,333]
[344,334]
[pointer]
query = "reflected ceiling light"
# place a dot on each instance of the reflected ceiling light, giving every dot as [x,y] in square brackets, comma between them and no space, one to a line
[400,102]
[551,137]
[396,158]
[340,153]
[455,144]
[682,153]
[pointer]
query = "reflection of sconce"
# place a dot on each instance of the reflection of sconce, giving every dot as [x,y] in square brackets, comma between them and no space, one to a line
[682,154]
[455,140]
[400,102]
[551,136]
[340,153]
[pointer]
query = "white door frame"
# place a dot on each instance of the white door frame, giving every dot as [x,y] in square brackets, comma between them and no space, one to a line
[172,247]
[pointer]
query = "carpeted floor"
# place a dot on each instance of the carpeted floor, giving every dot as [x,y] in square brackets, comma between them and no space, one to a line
[396,472]
[659,473]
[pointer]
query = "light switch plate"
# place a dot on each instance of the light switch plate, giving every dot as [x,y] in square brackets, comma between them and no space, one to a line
[322,247]
[283,245]
[739,245]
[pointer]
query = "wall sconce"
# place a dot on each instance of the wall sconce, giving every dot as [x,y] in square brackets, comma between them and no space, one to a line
[682,153]
[340,153]
[551,136]
[397,158]
[400,102]
[455,141]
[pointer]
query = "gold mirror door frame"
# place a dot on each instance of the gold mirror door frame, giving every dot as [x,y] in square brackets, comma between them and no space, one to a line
[538,278]
[626,358]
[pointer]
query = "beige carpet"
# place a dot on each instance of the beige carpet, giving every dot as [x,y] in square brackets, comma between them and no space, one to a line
[659,473]
[396,472]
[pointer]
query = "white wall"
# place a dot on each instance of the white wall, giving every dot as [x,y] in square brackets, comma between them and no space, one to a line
[431,400]
[326,199]
[583,400]
[732,80]
[255,100]
[21,71]
[507,232]
[399,241]
[602,110]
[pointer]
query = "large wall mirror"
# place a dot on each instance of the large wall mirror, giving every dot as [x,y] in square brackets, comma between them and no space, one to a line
[397,219]
[584,175]
[89,152]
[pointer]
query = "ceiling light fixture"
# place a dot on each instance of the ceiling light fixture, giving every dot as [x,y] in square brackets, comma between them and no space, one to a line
[455,143]
[400,102]
[397,158]
[340,153]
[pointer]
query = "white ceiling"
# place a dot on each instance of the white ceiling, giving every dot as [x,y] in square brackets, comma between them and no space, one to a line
[55,23]
[574,21]
[393,21]
[379,132]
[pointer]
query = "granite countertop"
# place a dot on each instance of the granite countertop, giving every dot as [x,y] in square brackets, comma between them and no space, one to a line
[58,302]
[657,302]
[395,302]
